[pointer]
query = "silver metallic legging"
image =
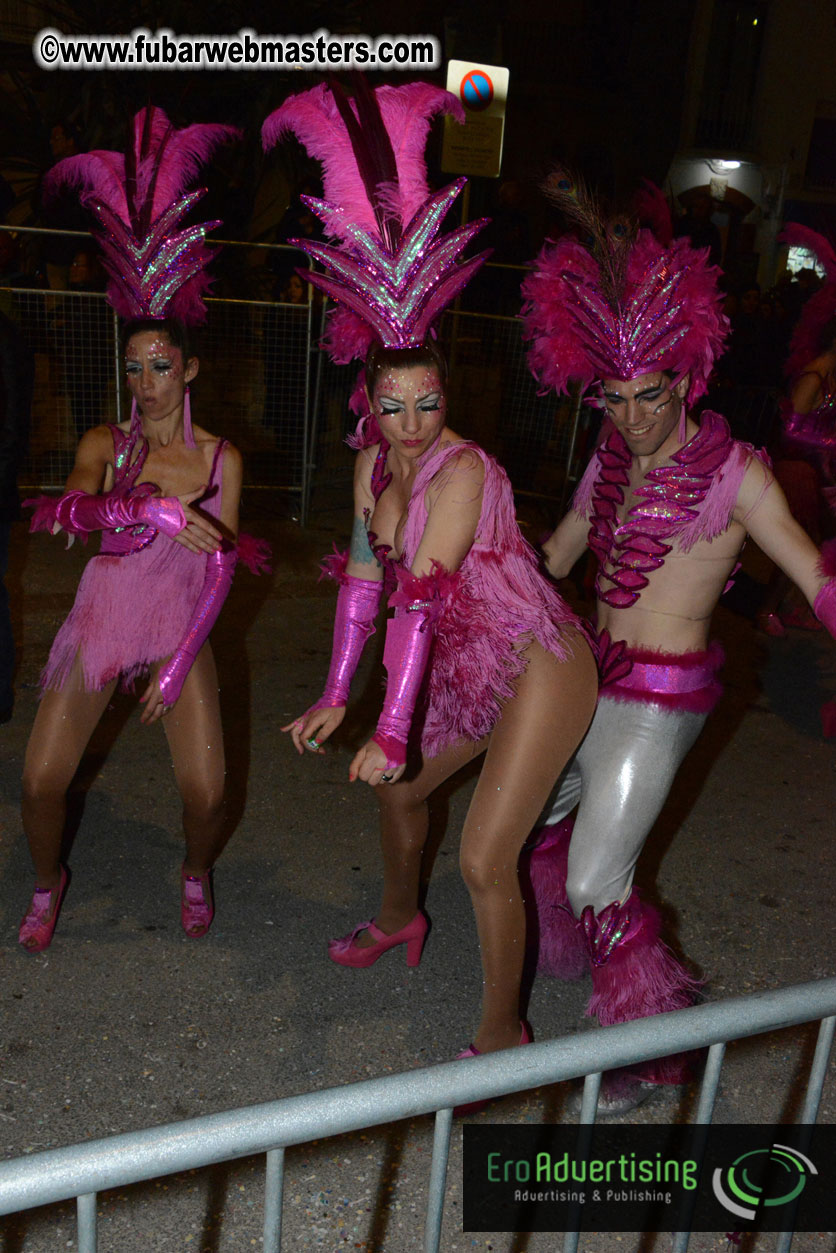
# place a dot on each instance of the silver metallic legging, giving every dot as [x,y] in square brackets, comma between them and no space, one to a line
[621,775]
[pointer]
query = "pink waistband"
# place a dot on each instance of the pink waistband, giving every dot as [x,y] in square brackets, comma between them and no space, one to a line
[671,678]
[685,681]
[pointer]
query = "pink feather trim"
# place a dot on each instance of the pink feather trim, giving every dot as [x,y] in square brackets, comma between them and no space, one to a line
[334,565]
[255,553]
[561,950]
[669,316]
[643,977]
[827,559]
[434,588]
[44,516]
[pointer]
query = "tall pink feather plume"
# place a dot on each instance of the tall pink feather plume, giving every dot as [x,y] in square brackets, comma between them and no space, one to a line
[186,152]
[407,113]
[101,174]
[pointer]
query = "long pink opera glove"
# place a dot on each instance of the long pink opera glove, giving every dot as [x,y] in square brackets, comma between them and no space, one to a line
[217,581]
[79,513]
[358,601]
[409,637]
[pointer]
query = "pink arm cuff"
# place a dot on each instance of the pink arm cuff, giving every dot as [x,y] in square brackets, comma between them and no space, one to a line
[217,581]
[408,641]
[357,605]
[80,512]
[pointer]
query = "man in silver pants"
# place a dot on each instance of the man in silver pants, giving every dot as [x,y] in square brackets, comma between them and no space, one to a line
[665,505]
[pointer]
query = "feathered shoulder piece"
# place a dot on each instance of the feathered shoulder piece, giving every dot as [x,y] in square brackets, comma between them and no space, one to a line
[389,269]
[614,301]
[821,307]
[139,200]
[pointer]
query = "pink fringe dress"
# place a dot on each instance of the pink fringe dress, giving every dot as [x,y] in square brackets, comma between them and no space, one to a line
[136,598]
[495,604]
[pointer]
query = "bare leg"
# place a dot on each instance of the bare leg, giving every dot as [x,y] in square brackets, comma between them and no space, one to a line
[193,729]
[404,825]
[529,747]
[63,725]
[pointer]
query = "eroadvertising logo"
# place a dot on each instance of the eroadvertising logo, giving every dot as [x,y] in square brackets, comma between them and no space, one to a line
[748,1183]
[648,1177]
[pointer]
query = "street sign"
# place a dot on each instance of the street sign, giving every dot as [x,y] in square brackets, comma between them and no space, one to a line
[476,147]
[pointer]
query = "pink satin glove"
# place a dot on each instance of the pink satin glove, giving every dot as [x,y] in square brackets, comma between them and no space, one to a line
[217,581]
[409,637]
[79,513]
[358,601]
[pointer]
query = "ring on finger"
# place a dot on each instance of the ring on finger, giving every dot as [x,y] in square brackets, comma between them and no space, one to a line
[312,742]
[386,778]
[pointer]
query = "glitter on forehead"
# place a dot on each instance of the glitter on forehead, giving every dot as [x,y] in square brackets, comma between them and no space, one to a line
[396,383]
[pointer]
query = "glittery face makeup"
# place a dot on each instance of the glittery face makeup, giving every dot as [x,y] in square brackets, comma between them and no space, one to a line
[155,373]
[645,410]
[410,407]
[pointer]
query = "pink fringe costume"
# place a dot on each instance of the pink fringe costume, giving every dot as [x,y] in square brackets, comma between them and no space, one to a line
[480,619]
[493,606]
[137,597]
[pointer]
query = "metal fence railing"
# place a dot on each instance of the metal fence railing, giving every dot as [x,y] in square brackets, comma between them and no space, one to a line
[264,383]
[255,356]
[84,1170]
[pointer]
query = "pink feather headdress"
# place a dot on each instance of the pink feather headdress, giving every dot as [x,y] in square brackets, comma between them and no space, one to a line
[389,270]
[620,304]
[139,201]
[821,307]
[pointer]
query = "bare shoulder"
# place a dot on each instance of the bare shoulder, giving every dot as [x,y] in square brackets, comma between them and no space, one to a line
[232,458]
[465,461]
[461,478]
[98,443]
[758,480]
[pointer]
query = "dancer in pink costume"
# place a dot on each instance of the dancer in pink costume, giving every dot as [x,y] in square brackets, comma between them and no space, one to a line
[164,495]
[806,463]
[481,654]
[665,505]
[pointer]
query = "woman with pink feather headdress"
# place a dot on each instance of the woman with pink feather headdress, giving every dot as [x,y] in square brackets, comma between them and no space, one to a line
[805,461]
[481,654]
[164,494]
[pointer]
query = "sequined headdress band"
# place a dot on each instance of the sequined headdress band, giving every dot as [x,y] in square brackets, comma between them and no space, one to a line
[156,266]
[618,302]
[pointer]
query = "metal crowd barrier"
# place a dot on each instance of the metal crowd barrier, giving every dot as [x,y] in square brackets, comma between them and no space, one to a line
[83,1170]
[266,385]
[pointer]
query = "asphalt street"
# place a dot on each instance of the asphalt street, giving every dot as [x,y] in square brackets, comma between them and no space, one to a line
[124,1023]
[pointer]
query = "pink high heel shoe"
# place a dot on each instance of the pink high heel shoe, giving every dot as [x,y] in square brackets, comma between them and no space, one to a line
[461,1111]
[346,953]
[39,921]
[197,903]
